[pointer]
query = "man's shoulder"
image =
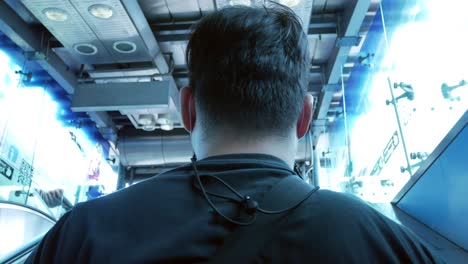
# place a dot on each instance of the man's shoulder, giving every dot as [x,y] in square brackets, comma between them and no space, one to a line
[156,185]
[88,226]
[335,212]
[134,199]
[145,191]
[337,226]
[331,205]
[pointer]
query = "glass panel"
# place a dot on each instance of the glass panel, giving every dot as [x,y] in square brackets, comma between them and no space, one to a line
[13,186]
[427,57]
[48,159]
[365,150]
[407,88]
[438,199]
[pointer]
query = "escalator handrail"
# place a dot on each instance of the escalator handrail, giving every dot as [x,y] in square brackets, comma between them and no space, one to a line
[27,207]
[30,246]
[22,251]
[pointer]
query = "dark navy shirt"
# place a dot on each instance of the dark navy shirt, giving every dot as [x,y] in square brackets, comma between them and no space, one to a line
[165,219]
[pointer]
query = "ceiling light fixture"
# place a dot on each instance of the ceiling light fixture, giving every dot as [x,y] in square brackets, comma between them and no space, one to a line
[101,11]
[240,2]
[290,3]
[124,46]
[55,14]
[85,49]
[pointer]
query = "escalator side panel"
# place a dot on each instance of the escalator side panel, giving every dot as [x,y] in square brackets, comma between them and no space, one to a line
[439,198]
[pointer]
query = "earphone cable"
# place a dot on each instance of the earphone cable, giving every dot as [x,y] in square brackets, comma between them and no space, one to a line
[252,204]
[202,188]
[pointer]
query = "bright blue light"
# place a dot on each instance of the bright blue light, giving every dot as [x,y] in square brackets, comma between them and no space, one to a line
[31,116]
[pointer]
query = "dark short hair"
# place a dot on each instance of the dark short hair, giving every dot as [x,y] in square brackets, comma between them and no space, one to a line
[248,68]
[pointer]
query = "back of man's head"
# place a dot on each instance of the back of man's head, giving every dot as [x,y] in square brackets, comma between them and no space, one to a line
[248,70]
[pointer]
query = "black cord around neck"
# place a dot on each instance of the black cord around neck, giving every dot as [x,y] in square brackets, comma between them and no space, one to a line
[202,188]
[250,204]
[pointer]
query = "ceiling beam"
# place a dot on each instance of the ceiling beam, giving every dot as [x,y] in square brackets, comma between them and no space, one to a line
[351,24]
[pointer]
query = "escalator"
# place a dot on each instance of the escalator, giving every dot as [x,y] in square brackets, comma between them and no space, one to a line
[22,228]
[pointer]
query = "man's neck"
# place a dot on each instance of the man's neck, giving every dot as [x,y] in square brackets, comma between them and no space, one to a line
[282,148]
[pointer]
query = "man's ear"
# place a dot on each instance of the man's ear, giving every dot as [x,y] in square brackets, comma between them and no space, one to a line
[305,117]
[187,107]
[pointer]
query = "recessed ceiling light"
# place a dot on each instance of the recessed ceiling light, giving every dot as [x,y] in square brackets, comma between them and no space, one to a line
[290,3]
[240,2]
[124,46]
[85,49]
[55,14]
[101,11]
